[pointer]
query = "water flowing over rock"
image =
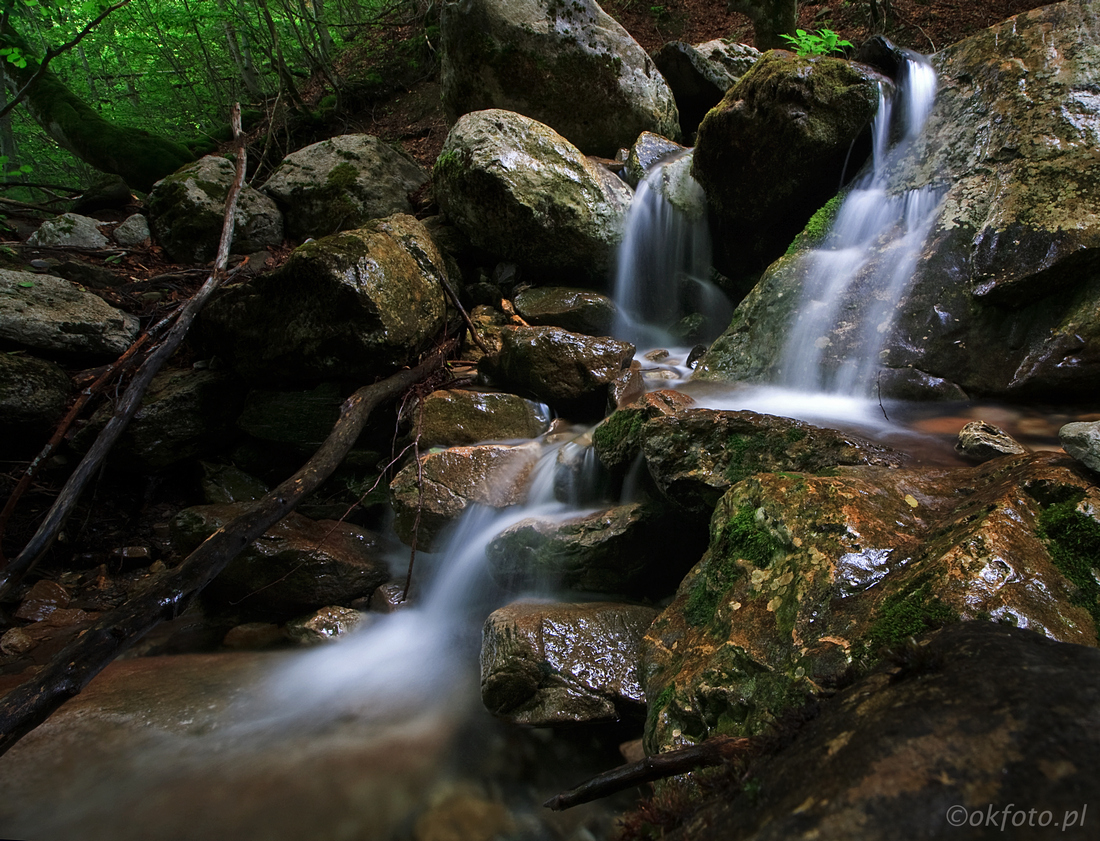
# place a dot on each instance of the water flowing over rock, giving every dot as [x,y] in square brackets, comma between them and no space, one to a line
[187,212]
[48,314]
[298,565]
[700,75]
[521,191]
[354,305]
[565,63]
[806,575]
[560,663]
[69,229]
[455,417]
[978,725]
[569,371]
[431,495]
[775,149]
[575,310]
[342,183]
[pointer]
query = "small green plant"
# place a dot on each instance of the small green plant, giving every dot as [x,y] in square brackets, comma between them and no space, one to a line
[821,42]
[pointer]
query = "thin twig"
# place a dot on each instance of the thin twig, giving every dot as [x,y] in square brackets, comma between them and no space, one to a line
[465,316]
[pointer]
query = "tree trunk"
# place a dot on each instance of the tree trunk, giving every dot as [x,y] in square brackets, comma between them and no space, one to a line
[770,19]
[138,157]
[241,56]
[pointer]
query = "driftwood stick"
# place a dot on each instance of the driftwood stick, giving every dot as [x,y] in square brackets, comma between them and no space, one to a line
[713,751]
[465,316]
[32,702]
[131,399]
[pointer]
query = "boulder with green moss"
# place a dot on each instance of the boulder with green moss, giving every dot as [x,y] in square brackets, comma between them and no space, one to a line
[355,306]
[187,213]
[807,576]
[565,63]
[452,417]
[342,183]
[524,193]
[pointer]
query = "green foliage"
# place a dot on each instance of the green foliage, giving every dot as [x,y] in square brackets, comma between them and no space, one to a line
[821,42]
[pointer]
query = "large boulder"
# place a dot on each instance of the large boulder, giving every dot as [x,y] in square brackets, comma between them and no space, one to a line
[521,191]
[973,731]
[33,396]
[51,315]
[343,183]
[778,145]
[187,212]
[700,75]
[454,417]
[576,310]
[355,305]
[560,663]
[566,64]
[807,576]
[1003,296]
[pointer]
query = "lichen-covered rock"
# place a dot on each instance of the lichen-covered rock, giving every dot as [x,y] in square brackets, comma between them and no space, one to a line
[776,147]
[342,183]
[700,75]
[49,314]
[455,417]
[1082,441]
[524,193]
[976,727]
[565,63]
[33,396]
[354,306]
[184,414]
[806,575]
[982,441]
[71,230]
[694,455]
[431,496]
[561,663]
[639,550]
[576,310]
[133,230]
[298,565]
[187,212]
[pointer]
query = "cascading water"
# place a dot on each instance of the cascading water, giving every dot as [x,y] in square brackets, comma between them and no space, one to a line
[870,251]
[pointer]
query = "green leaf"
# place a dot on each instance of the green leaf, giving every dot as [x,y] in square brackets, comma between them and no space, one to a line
[26,284]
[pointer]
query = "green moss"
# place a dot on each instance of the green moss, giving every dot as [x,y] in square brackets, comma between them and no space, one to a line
[1073,540]
[341,176]
[907,613]
[818,226]
[743,536]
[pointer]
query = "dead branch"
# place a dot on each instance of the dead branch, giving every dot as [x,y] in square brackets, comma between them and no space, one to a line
[32,702]
[714,751]
[131,399]
[465,316]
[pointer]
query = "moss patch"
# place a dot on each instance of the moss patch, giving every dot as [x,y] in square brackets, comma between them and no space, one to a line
[906,614]
[1073,540]
[818,226]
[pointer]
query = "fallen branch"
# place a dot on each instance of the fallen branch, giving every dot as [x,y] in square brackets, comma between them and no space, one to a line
[465,316]
[32,702]
[714,751]
[131,399]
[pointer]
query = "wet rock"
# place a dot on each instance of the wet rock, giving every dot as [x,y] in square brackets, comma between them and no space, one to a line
[49,314]
[648,150]
[300,417]
[464,814]
[455,417]
[524,193]
[700,75]
[807,575]
[694,455]
[133,230]
[325,625]
[342,183]
[253,636]
[1082,441]
[576,310]
[559,663]
[33,397]
[71,230]
[626,388]
[982,441]
[776,147]
[298,565]
[185,413]
[568,65]
[354,306]
[16,641]
[187,212]
[569,371]
[639,550]
[222,483]
[44,598]
[978,726]
[430,496]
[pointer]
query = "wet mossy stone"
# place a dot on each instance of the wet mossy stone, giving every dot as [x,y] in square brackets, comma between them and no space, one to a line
[576,310]
[33,396]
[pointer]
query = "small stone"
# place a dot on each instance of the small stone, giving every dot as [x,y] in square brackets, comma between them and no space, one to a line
[134,230]
[388,598]
[982,441]
[325,625]
[43,599]
[1082,441]
[16,641]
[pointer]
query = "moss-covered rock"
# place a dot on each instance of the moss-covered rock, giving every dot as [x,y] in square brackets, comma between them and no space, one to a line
[576,310]
[453,417]
[565,63]
[807,576]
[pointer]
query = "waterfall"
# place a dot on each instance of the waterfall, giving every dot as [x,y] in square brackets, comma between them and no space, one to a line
[854,279]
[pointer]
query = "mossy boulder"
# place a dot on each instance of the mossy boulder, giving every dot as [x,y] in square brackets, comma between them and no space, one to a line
[354,306]
[778,145]
[807,576]
[69,230]
[342,183]
[575,310]
[187,212]
[454,417]
[565,63]
[524,193]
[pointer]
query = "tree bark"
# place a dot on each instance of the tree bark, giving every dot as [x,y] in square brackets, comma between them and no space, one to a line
[770,19]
